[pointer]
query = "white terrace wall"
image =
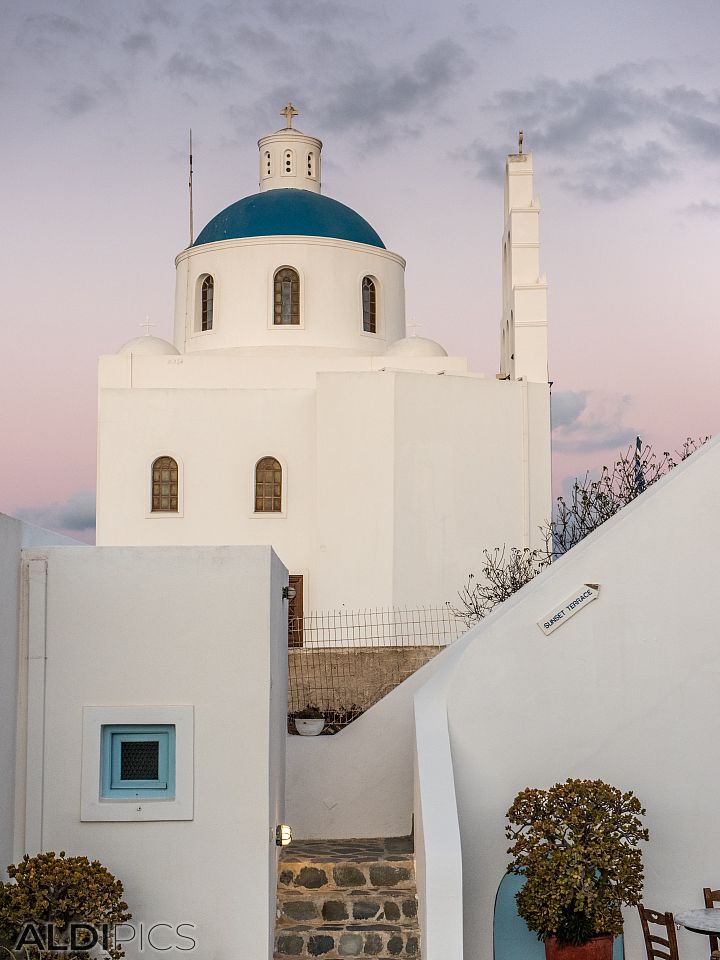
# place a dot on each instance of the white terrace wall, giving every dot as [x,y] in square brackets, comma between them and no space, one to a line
[14,535]
[199,627]
[626,690]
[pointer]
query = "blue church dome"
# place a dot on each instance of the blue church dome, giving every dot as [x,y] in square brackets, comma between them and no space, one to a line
[294,212]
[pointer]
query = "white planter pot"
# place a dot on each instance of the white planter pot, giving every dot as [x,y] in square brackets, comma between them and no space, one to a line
[309,728]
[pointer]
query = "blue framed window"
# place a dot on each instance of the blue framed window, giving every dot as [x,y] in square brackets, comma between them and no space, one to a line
[137,761]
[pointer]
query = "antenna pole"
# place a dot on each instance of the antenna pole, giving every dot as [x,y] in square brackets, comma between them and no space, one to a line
[190,185]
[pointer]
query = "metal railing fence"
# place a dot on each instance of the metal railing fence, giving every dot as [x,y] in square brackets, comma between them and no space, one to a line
[343,661]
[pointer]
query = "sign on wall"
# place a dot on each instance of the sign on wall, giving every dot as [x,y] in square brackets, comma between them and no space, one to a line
[560,615]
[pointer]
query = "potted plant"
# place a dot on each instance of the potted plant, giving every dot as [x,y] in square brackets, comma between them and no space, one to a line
[309,721]
[576,844]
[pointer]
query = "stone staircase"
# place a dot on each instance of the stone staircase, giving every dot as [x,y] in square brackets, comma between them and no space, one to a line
[347,898]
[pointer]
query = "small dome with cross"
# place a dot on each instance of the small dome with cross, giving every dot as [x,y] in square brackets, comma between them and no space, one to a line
[416,347]
[148,346]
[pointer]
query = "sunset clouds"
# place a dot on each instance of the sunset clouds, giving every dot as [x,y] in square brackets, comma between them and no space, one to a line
[417,104]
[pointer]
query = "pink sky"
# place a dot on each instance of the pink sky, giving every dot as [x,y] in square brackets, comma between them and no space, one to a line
[416,106]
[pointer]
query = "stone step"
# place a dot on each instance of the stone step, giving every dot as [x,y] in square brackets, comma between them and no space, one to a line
[339,899]
[330,941]
[398,906]
[398,873]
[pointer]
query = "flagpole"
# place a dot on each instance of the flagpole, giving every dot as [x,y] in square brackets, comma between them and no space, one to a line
[190,187]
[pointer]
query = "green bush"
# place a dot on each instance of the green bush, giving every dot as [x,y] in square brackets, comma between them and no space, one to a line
[576,845]
[59,890]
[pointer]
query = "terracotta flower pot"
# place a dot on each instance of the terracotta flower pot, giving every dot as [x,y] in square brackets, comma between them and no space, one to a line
[599,948]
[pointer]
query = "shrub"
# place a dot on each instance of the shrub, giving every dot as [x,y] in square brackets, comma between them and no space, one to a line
[60,890]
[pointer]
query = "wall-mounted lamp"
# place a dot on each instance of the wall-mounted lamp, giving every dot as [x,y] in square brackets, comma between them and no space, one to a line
[283,834]
[289,593]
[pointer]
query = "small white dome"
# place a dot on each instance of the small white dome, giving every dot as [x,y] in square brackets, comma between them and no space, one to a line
[415,347]
[148,347]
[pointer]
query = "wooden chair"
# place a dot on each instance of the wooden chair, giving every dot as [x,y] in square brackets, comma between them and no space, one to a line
[711,898]
[659,947]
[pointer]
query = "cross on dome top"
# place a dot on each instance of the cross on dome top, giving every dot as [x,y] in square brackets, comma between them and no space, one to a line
[289,111]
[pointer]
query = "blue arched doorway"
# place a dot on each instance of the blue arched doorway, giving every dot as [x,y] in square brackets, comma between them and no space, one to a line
[511,938]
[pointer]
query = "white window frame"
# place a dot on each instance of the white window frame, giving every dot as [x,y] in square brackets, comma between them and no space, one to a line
[93,807]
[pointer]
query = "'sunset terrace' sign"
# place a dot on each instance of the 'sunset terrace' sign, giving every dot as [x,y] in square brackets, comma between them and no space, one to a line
[585,595]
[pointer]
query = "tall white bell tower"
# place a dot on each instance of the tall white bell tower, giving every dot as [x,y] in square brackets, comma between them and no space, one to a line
[524,350]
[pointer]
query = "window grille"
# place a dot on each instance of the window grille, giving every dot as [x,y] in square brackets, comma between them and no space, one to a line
[139,760]
[165,485]
[287,297]
[369,305]
[268,486]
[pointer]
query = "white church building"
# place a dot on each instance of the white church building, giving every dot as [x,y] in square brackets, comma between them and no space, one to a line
[292,409]
[292,429]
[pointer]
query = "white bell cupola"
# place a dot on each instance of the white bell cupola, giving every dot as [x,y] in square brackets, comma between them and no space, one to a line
[289,159]
[524,349]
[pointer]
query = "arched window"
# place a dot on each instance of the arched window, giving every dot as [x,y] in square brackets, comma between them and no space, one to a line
[287,297]
[311,164]
[288,162]
[369,305]
[207,295]
[165,485]
[268,486]
[268,166]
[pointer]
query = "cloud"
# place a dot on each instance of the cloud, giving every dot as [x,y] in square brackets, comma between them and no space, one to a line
[617,171]
[489,35]
[76,102]
[307,12]
[689,100]
[156,12]
[54,25]
[696,132]
[567,405]
[494,36]
[611,135]
[76,513]
[586,421]
[189,67]
[139,43]
[705,209]
[390,101]
[259,39]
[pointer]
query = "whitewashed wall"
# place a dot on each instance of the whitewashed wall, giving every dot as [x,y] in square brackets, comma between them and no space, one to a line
[205,627]
[395,480]
[14,535]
